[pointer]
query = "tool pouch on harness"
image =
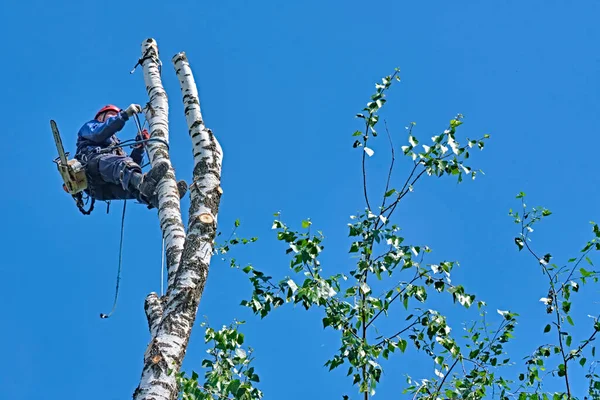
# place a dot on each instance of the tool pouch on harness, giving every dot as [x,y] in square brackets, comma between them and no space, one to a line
[92,172]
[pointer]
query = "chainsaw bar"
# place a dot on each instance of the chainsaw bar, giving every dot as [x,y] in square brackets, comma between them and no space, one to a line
[58,141]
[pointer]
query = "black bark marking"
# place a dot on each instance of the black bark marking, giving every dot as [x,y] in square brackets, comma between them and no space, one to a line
[196,124]
[179,57]
[173,256]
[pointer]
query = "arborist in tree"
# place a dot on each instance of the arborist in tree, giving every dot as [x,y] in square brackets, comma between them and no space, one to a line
[112,174]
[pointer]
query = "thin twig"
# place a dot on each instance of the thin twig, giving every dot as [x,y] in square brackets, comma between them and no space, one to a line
[399,333]
[574,268]
[418,276]
[364,169]
[583,346]
[444,379]
[389,177]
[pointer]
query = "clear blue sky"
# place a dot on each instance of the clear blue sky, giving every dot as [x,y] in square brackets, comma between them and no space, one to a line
[280,83]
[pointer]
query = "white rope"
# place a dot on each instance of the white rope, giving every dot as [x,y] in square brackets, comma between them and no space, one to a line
[162,268]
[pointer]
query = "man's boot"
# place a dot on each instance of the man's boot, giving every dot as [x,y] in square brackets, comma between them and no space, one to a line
[182,188]
[146,184]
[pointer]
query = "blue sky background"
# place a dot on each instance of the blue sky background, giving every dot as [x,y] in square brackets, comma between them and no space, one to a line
[280,83]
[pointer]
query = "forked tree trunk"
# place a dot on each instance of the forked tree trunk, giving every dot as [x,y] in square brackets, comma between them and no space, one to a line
[171,318]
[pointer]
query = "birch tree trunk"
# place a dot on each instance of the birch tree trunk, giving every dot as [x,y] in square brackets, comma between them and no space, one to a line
[171,318]
[157,115]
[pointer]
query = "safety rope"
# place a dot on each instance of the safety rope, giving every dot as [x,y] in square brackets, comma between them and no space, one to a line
[131,142]
[81,205]
[162,267]
[102,315]
[145,57]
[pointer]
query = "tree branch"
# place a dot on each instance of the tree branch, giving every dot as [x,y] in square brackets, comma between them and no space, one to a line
[154,312]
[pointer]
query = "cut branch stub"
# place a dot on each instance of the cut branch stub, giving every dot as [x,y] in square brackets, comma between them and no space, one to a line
[206,218]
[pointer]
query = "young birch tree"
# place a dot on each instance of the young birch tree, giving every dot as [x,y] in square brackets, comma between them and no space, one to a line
[473,366]
[171,317]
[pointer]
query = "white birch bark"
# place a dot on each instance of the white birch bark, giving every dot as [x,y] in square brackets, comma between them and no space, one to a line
[170,335]
[157,115]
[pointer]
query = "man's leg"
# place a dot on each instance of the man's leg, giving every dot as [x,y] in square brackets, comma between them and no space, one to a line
[118,170]
[122,170]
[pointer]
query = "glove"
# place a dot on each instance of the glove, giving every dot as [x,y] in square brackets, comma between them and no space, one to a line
[133,109]
[145,136]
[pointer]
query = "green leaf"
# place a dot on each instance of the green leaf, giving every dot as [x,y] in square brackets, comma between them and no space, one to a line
[519,243]
[247,269]
[589,261]
[585,273]
[234,385]
[390,192]
[306,224]
[570,320]
[240,353]
[237,223]
[402,344]
[357,133]
[547,328]
[364,287]
[569,340]
[582,361]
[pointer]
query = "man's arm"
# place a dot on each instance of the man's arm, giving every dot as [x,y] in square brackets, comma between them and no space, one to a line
[98,132]
[137,155]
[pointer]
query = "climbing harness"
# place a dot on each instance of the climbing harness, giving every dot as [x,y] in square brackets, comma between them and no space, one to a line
[102,315]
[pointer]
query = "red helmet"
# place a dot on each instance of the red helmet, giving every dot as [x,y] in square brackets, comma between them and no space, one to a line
[108,107]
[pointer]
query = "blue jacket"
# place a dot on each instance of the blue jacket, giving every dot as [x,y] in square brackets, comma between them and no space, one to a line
[94,134]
